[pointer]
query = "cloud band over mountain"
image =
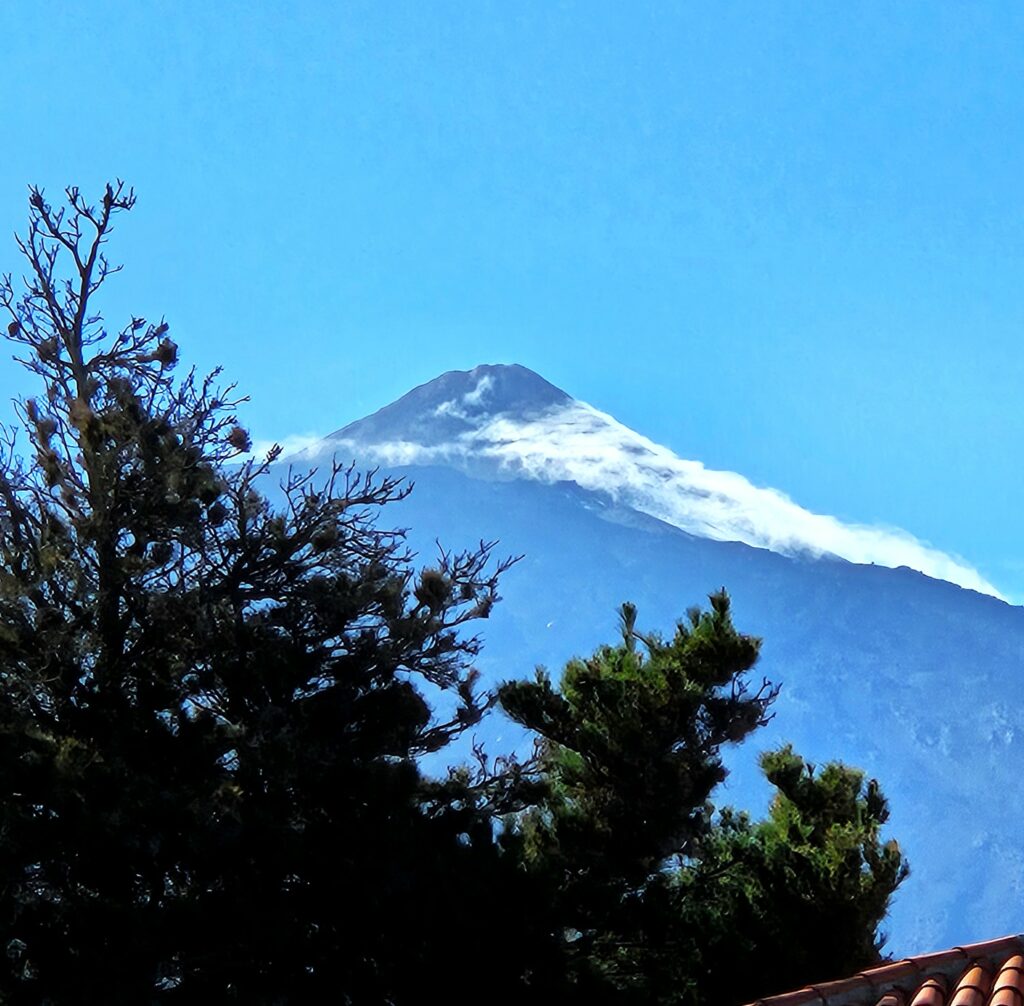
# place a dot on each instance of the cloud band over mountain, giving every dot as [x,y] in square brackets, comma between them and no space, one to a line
[567,440]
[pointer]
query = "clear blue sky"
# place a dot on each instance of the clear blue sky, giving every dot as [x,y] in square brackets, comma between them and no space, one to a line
[785,239]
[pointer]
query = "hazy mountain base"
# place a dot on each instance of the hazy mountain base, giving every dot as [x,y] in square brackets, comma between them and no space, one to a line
[910,678]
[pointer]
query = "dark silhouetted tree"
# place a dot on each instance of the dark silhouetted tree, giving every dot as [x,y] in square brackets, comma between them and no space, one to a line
[211,709]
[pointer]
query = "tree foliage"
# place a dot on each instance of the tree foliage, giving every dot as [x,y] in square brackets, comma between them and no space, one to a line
[798,897]
[212,711]
[658,898]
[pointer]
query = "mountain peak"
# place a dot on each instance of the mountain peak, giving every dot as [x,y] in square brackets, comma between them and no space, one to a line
[456,401]
[498,422]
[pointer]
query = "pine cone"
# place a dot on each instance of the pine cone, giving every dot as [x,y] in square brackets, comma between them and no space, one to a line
[239,439]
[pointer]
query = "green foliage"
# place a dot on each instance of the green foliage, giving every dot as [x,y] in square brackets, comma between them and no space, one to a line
[799,896]
[630,742]
[211,710]
[658,899]
[630,753]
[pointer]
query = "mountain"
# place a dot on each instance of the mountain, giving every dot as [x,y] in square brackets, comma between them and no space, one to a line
[912,677]
[507,422]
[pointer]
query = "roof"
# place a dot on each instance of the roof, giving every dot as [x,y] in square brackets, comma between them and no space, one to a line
[979,974]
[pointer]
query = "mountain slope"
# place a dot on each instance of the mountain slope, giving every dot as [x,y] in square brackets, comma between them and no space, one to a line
[908,676]
[507,422]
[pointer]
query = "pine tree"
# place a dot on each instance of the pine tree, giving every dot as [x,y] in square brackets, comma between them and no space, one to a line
[630,753]
[654,896]
[798,897]
[211,709]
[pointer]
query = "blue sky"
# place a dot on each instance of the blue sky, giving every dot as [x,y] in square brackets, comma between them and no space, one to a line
[784,239]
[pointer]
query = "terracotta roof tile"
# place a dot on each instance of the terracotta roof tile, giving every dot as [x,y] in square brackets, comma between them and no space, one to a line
[931,993]
[978,974]
[897,972]
[973,988]
[1008,989]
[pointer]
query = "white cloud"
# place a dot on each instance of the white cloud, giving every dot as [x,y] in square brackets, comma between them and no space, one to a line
[450,408]
[578,443]
[456,406]
[483,387]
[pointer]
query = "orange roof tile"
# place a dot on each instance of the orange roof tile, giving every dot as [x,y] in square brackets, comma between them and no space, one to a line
[979,974]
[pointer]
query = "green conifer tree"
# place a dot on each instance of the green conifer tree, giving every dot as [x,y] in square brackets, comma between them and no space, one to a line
[798,897]
[211,709]
[630,752]
[655,898]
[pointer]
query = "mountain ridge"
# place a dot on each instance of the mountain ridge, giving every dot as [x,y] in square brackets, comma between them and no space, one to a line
[504,421]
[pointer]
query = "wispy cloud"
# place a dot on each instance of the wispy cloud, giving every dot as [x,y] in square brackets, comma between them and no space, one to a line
[482,389]
[580,444]
[295,443]
[457,407]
